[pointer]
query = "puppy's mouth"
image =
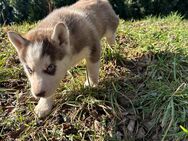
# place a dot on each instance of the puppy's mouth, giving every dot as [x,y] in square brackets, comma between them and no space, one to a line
[36,97]
[41,95]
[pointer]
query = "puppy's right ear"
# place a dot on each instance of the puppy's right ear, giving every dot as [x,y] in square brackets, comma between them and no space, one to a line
[18,41]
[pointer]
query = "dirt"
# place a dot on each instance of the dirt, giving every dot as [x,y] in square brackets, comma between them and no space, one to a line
[128,124]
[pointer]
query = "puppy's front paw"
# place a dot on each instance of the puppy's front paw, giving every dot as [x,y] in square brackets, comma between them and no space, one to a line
[42,111]
[44,107]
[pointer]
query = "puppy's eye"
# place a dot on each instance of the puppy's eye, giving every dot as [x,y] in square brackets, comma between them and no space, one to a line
[50,69]
[29,69]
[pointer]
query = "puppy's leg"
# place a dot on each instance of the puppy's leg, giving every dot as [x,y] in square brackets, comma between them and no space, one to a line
[44,107]
[92,76]
[92,64]
[111,37]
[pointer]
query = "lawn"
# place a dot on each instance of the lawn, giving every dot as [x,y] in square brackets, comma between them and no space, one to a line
[142,94]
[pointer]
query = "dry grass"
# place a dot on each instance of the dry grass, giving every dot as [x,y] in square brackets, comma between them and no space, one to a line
[142,93]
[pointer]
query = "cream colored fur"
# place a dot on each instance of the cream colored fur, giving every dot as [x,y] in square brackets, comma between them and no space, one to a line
[65,37]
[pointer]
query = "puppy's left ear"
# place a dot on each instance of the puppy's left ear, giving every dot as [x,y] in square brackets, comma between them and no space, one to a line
[60,34]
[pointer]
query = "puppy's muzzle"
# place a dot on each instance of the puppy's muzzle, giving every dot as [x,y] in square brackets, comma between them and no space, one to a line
[41,94]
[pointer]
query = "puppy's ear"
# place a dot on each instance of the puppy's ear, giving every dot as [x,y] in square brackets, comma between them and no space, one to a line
[60,34]
[17,41]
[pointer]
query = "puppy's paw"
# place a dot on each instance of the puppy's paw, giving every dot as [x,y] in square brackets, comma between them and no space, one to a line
[42,111]
[44,107]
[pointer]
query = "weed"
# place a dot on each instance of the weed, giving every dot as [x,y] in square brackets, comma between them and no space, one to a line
[142,92]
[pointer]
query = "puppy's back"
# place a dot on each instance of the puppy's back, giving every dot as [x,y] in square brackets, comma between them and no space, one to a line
[100,13]
[87,20]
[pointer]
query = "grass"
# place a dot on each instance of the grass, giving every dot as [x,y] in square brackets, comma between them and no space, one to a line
[142,93]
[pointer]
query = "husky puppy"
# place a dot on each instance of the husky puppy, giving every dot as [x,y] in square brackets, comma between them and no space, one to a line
[59,41]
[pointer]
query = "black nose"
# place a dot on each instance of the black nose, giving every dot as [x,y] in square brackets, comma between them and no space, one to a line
[41,94]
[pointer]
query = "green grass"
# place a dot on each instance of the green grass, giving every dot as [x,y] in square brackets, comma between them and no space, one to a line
[142,95]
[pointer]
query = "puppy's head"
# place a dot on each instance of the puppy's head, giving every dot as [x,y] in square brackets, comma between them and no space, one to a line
[44,57]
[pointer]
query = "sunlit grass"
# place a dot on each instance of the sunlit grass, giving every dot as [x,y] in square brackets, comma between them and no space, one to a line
[143,78]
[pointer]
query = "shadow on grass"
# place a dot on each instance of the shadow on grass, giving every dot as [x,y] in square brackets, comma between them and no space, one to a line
[135,104]
[130,103]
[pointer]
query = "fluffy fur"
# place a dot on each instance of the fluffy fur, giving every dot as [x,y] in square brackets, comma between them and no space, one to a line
[62,39]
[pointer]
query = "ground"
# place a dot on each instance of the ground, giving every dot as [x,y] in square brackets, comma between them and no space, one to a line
[142,95]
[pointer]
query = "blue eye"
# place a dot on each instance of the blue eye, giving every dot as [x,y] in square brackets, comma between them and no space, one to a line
[29,69]
[50,69]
